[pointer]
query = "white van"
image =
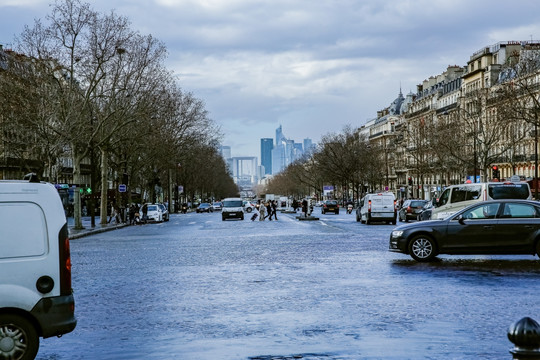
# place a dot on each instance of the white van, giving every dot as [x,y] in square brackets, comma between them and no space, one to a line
[456,197]
[36,299]
[232,208]
[377,207]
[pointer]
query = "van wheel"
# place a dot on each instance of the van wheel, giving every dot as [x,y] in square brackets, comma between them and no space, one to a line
[18,338]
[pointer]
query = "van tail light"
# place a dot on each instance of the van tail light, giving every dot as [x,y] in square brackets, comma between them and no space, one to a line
[369,206]
[65,261]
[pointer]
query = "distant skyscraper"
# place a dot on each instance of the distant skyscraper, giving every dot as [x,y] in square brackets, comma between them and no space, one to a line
[279,136]
[308,146]
[225,152]
[266,154]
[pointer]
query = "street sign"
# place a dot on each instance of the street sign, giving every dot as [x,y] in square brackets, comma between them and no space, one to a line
[122,188]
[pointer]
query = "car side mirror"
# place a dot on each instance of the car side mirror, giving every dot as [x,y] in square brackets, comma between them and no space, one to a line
[461,219]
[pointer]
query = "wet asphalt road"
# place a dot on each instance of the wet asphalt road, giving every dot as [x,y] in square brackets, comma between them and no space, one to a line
[197,288]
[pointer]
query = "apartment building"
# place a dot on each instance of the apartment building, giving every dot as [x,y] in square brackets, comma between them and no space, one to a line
[456,115]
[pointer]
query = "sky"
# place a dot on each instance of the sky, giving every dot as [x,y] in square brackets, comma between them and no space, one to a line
[312,67]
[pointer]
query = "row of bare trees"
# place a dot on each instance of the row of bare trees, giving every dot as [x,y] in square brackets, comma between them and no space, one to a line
[90,87]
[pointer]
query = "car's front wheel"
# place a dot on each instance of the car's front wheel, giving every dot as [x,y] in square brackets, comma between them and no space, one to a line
[18,338]
[422,248]
[248,210]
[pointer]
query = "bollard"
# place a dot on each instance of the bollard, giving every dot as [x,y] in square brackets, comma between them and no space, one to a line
[525,335]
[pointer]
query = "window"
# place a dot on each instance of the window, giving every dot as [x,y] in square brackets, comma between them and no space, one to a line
[444,197]
[519,211]
[509,191]
[482,212]
[465,193]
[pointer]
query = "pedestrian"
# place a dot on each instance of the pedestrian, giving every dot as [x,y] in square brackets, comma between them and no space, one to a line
[304,207]
[262,211]
[269,210]
[132,212]
[295,205]
[274,209]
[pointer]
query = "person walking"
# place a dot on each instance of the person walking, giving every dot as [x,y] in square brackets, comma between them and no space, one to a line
[269,210]
[262,211]
[274,209]
[304,207]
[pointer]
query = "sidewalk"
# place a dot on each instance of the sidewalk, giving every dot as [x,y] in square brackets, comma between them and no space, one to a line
[88,229]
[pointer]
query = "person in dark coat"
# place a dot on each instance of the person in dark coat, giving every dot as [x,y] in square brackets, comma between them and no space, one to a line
[304,207]
[274,209]
[269,210]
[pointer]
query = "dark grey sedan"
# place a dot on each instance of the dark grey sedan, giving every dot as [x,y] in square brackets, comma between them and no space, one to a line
[489,227]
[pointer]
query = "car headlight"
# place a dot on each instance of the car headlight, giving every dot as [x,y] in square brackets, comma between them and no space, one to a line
[397,233]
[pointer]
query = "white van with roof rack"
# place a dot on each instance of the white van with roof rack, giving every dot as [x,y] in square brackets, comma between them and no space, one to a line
[36,299]
[457,197]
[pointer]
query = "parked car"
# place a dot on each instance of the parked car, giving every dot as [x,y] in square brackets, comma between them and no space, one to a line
[425,213]
[411,209]
[216,206]
[164,212]
[330,206]
[36,298]
[232,208]
[153,212]
[248,206]
[377,207]
[204,207]
[489,227]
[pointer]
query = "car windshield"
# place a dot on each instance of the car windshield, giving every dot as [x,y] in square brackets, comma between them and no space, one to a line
[418,203]
[331,202]
[232,203]
[152,208]
[508,191]
[204,205]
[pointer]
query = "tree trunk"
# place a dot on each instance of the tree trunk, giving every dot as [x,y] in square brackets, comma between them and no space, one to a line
[76,192]
[104,187]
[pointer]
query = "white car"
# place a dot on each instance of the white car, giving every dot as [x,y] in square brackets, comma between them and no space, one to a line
[248,206]
[36,299]
[153,212]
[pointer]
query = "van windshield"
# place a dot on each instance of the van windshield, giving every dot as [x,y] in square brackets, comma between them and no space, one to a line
[465,193]
[508,191]
[232,203]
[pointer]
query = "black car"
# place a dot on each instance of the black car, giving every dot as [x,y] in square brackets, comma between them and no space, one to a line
[411,209]
[489,227]
[425,213]
[204,207]
[330,206]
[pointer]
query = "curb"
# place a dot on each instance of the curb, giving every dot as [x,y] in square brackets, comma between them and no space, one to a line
[94,231]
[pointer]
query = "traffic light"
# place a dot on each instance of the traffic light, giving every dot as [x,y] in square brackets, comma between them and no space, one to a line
[410,181]
[85,190]
[495,172]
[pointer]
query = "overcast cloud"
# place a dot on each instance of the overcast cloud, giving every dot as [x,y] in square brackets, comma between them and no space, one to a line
[310,66]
